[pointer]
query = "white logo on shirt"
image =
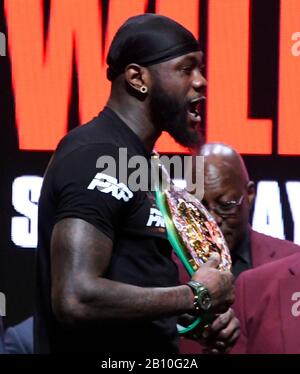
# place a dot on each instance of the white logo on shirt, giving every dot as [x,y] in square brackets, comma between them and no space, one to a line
[107,184]
[156,218]
[296,306]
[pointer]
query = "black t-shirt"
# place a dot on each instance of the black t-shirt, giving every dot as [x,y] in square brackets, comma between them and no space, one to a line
[75,186]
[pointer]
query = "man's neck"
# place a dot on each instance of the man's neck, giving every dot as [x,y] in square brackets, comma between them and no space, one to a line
[137,119]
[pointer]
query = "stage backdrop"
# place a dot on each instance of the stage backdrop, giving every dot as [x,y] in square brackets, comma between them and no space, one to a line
[53,78]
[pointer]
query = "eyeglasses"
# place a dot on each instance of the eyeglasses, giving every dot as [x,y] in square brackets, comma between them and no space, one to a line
[227,208]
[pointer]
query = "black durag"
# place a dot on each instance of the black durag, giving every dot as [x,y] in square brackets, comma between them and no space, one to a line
[148,39]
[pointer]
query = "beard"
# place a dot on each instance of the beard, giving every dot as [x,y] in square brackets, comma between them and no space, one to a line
[170,114]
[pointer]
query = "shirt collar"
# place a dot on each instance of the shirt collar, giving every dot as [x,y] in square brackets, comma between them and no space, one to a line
[243,252]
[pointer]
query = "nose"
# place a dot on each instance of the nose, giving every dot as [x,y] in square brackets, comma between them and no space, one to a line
[199,82]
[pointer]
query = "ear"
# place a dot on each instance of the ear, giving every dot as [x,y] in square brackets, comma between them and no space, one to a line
[137,77]
[251,193]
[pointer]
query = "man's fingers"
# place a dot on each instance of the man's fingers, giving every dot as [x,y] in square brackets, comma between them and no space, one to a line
[221,321]
[234,337]
[221,347]
[218,324]
[213,351]
[223,333]
[227,333]
[232,341]
[213,261]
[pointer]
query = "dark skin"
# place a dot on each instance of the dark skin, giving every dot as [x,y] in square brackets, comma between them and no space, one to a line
[80,254]
[222,334]
[217,337]
[182,77]
[226,179]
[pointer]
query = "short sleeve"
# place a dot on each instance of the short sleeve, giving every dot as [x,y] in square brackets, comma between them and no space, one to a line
[87,186]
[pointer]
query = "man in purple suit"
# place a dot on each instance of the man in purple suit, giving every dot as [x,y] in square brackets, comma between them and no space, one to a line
[229,196]
[268,307]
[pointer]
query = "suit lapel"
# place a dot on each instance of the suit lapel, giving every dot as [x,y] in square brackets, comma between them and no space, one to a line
[290,309]
[260,250]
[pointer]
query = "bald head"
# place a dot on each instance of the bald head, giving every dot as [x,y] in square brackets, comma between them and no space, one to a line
[226,182]
[224,160]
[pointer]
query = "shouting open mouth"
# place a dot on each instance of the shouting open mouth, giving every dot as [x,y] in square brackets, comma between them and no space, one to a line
[194,109]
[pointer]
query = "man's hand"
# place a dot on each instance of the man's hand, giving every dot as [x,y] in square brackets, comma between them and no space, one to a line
[219,337]
[222,334]
[219,284]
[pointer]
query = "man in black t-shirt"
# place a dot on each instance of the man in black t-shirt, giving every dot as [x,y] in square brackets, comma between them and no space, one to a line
[105,277]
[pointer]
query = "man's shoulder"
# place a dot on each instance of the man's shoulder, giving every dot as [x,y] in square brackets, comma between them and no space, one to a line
[99,137]
[255,235]
[96,132]
[270,241]
[279,267]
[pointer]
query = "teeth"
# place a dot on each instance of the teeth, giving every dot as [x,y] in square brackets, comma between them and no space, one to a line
[195,109]
[196,105]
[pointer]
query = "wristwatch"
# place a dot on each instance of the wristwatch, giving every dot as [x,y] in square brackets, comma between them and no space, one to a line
[202,297]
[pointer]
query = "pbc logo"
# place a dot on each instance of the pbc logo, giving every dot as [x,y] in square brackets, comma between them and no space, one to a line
[156,218]
[107,184]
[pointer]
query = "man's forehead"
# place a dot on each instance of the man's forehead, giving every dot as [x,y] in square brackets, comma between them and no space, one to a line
[220,174]
[218,187]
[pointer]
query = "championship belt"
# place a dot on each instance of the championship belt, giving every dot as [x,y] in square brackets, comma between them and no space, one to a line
[191,230]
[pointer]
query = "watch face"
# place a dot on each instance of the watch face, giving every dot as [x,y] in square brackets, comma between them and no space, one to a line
[204,299]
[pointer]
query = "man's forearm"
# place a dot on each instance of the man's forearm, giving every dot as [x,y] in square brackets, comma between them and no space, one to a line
[104,299]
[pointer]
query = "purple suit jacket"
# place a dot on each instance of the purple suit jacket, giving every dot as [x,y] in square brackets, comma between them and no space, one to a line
[264,249]
[268,307]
